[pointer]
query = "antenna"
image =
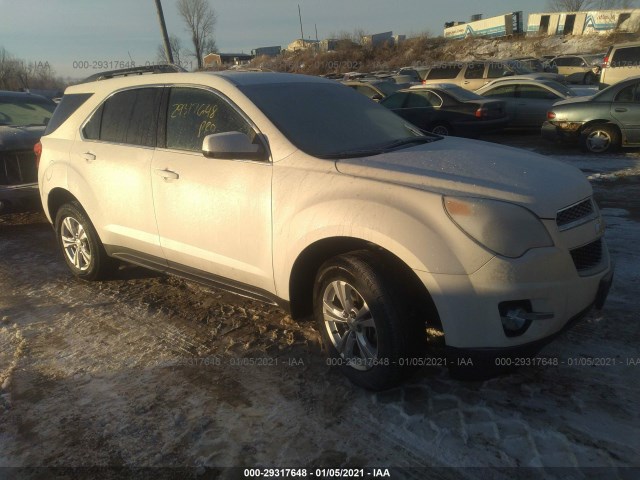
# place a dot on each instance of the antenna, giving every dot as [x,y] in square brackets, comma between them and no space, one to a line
[300,15]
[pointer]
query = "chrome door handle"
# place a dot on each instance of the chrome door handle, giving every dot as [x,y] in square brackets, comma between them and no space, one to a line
[88,156]
[167,174]
[620,109]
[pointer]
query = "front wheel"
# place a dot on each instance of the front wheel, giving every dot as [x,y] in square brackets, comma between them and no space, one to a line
[366,322]
[601,138]
[81,248]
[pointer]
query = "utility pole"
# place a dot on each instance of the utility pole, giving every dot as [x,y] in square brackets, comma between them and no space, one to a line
[300,15]
[165,37]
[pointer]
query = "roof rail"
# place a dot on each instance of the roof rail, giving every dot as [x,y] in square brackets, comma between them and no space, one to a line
[125,72]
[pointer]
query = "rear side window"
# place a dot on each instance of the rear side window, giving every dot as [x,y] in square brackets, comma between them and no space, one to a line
[474,71]
[67,106]
[626,57]
[536,92]
[504,91]
[128,117]
[497,70]
[395,101]
[444,72]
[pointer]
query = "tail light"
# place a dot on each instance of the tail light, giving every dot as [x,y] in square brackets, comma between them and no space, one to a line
[551,115]
[424,82]
[605,62]
[37,149]
[481,112]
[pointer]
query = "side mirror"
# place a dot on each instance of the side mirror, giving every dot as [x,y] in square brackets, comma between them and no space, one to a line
[232,145]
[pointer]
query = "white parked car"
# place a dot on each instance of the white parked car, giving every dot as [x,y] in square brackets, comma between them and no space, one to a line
[299,191]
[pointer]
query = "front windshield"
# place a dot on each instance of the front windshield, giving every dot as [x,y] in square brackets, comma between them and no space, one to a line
[23,111]
[330,120]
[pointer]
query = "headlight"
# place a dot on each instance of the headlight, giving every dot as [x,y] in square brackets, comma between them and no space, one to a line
[504,228]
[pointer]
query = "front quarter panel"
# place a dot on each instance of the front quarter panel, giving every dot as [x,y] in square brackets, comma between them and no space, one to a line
[312,201]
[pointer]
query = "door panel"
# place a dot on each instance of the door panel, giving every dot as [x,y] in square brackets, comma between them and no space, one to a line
[213,215]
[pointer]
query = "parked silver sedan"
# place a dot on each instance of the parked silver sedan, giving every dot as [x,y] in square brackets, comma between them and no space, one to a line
[527,101]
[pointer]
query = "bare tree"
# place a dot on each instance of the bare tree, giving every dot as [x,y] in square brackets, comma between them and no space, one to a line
[200,19]
[176,50]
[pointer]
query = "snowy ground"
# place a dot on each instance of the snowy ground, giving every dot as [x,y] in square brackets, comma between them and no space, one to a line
[151,371]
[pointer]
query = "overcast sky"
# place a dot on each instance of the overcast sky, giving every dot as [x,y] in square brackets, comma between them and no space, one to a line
[71,34]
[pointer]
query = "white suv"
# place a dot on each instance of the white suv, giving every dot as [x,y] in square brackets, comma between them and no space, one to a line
[299,191]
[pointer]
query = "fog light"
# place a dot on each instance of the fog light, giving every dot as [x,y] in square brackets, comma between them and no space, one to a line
[514,319]
[515,316]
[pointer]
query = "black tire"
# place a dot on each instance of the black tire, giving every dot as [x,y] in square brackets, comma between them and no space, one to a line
[374,343]
[601,138]
[80,245]
[441,129]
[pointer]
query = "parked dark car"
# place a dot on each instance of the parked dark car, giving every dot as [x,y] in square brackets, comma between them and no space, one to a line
[374,89]
[447,109]
[601,123]
[23,117]
[527,101]
[583,69]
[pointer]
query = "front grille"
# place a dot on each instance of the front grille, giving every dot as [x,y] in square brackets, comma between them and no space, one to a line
[17,168]
[588,256]
[577,213]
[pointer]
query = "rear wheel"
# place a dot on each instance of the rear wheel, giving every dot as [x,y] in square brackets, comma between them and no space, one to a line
[81,248]
[366,322]
[600,138]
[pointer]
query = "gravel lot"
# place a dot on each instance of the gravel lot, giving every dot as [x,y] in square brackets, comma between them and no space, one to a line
[153,371]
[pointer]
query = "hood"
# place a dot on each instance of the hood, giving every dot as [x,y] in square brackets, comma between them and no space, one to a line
[455,166]
[19,138]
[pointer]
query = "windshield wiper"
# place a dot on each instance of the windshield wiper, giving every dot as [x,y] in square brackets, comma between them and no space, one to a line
[387,147]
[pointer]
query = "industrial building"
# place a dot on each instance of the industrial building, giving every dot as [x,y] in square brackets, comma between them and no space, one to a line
[582,23]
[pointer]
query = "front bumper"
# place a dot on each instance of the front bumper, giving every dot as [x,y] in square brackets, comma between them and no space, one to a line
[546,278]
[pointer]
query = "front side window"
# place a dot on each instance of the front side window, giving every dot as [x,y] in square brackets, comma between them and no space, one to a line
[128,117]
[444,72]
[195,113]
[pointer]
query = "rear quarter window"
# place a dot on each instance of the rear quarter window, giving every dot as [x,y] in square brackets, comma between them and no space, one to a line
[67,106]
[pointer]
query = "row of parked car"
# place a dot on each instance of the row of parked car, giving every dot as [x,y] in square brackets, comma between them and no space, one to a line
[473,98]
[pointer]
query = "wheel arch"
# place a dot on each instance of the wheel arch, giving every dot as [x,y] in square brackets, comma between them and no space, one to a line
[58,197]
[602,121]
[308,262]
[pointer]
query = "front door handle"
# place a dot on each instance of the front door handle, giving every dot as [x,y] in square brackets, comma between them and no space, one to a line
[620,109]
[167,174]
[88,156]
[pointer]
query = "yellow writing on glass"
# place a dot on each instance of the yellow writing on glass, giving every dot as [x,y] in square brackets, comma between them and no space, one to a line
[200,110]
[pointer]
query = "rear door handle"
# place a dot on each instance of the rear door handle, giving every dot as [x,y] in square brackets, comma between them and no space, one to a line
[620,109]
[88,156]
[167,174]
